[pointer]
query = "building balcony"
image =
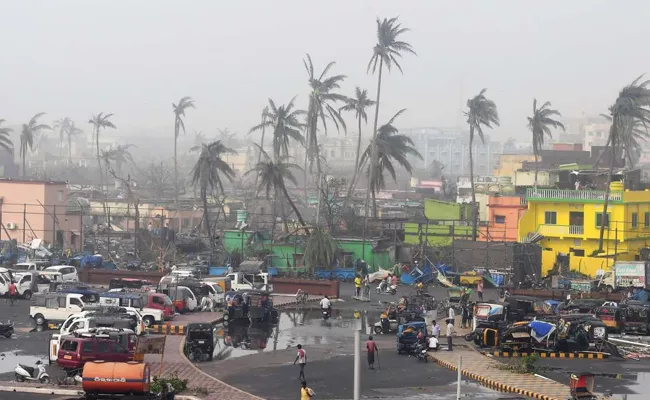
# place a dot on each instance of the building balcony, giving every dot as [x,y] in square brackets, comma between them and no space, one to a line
[578,196]
[550,230]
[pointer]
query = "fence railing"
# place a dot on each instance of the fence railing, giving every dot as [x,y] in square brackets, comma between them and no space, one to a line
[561,230]
[568,195]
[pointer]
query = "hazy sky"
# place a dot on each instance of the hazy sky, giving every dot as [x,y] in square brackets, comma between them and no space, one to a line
[134,58]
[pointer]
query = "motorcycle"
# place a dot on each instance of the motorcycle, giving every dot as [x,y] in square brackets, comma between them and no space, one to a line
[532,283]
[25,373]
[326,314]
[421,353]
[385,288]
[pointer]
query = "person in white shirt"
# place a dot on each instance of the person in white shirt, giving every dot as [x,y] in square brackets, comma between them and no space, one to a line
[326,304]
[433,343]
[435,329]
[450,334]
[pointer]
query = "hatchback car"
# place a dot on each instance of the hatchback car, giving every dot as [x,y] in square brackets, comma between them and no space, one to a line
[75,352]
[68,272]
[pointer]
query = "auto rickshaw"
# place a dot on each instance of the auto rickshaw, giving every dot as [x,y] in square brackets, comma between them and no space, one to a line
[407,336]
[391,319]
[582,386]
[199,341]
[612,317]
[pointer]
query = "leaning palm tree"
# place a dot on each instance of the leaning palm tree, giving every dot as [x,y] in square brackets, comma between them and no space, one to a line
[207,173]
[5,140]
[630,111]
[286,127]
[322,98]
[481,112]
[386,52]
[179,112]
[540,125]
[27,135]
[265,112]
[358,104]
[392,148]
[71,132]
[272,176]
[100,121]
[62,125]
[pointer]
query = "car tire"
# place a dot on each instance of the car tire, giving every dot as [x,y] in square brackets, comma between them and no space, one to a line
[148,321]
[27,294]
[40,320]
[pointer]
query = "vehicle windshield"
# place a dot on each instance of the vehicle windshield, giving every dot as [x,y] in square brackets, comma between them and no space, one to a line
[202,334]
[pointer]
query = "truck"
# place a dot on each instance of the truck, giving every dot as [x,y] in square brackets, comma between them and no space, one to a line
[54,307]
[625,275]
[150,315]
[243,281]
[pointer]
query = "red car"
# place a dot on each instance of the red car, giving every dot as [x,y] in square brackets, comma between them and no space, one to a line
[75,352]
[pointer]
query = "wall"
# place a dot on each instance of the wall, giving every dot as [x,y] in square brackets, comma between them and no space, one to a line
[509,207]
[435,235]
[527,178]
[509,163]
[313,287]
[103,276]
[441,210]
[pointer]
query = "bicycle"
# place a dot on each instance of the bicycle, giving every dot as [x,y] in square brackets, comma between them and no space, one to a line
[301,297]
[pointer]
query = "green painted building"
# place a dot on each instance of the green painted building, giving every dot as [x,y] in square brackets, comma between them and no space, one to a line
[443,222]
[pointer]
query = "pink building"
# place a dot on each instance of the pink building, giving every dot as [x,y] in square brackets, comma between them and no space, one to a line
[39,210]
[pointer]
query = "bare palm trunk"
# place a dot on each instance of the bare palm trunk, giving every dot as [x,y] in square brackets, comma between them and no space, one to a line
[176,127]
[101,177]
[471,180]
[604,220]
[305,175]
[24,167]
[259,155]
[536,169]
[356,167]
[69,150]
[206,217]
[295,209]
[373,155]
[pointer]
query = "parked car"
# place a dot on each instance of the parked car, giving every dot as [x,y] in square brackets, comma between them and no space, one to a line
[136,300]
[69,273]
[125,337]
[77,351]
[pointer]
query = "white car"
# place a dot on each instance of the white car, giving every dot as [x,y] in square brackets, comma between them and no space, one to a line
[68,272]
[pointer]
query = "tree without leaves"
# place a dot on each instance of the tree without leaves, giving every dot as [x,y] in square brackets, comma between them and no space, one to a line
[540,125]
[286,127]
[179,112]
[207,173]
[391,147]
[5,140]
[265,112]
[100,121]
[481,112]
[272,176]
[630,111]
[386,52]
[29,131]
[358,104]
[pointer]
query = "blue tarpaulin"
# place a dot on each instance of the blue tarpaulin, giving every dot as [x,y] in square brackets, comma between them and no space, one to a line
[540,330]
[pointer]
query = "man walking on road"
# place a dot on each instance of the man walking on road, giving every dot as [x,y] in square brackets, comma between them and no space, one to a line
[372,347]
[450,334]
[12,292]
[301,358]
[479,290]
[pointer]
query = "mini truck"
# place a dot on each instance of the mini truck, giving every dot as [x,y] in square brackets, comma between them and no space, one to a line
[54,307]
[625,275]
[150,315]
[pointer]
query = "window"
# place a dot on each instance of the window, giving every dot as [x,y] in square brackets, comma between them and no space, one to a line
[599,219]
[59,195]
[77,325]
[103,347]
[69,345]
[87,347]
[550,217]
[635,220]
[500,219]
[117,348]
[647,220]
[76,302]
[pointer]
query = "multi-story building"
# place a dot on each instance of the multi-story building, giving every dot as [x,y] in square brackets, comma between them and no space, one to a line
[504,212]
[595,134]
[507,164]
[569,222]
[451,148]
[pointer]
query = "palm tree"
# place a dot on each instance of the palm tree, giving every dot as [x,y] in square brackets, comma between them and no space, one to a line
[481,112]
[99,121]
[29,131]
[391,148]
[272,175]
[62,125]
[5,140]
[358,104]
[71,132]
[179,112]
[265,112]
[386,52]
[286,127]
[540,125]
[320,250]
[630,111]
[119,155]
[207,173]
[321,106]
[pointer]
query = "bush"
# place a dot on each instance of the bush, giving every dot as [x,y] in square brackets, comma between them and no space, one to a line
[178,384]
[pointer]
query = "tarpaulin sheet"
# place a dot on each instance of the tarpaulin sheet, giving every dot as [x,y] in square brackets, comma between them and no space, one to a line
[540,330]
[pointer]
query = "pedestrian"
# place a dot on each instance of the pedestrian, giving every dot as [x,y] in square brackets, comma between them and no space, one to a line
[464,316]
[452,314]
[435,329]
[12,292]
[301,359]
[366,286]
[357,285]
[305,392]
[372,348]
[450,334]
[479,290]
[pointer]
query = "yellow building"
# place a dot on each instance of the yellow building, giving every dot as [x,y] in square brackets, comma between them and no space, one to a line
[569,221]
[509,163]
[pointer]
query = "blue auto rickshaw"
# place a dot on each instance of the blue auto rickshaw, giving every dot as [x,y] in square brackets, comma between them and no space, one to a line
[407,336]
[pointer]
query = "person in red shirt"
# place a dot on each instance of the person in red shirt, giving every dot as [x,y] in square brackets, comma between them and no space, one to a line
[12,292]
[372,348]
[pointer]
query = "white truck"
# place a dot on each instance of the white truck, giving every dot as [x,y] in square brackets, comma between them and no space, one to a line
[150,316]
[243,281]
[624,275]
[54,307]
